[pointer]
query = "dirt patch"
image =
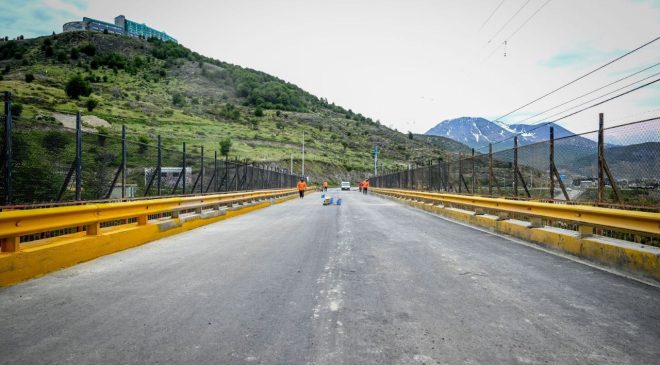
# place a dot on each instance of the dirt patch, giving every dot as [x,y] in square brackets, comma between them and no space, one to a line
[90,122]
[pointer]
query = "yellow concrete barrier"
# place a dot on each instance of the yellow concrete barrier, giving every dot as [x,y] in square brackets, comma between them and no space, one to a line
[20,262]
[631,257]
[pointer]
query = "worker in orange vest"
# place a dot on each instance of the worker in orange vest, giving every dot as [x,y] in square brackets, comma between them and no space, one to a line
[302,186]
[360,185]
[365,186]
[325,186]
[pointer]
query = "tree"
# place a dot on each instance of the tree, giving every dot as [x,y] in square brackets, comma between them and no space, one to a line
[29,78]
[225,146]
[77,87]
[88,49]
[91,104]
[258,112]
[410,135]
[74,54]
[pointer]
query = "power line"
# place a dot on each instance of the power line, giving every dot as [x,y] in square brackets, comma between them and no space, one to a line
[604,95]
[509,21]
[491,15]
[518,29]
[591,92]
[579,78]
[579,111]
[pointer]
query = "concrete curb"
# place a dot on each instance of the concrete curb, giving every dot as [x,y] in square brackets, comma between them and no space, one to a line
[638,260]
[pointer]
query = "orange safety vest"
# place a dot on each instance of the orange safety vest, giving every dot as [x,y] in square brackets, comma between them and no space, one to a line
[302,185]
[365,184]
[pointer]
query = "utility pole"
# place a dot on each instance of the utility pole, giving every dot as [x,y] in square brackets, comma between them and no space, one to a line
[375,153]
[303,154]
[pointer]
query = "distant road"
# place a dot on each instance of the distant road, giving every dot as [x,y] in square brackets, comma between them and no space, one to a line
[368,282]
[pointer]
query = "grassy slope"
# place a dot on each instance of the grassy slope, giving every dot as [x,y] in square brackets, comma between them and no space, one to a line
[338,141]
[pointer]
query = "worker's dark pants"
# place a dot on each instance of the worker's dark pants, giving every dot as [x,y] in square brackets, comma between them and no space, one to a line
[302,193]
[364,191]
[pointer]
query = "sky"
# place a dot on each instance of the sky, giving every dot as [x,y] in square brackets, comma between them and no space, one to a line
[413,63]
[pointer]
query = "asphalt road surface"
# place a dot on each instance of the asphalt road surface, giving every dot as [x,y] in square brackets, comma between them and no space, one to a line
[368,282]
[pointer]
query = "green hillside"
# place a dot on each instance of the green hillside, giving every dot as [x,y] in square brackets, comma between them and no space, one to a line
[155,87]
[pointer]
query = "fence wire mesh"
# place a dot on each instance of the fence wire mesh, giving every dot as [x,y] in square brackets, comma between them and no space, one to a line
[625,173]
[44,167]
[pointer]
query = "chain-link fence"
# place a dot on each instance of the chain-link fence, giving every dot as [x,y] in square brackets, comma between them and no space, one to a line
[616,166]
[49,163]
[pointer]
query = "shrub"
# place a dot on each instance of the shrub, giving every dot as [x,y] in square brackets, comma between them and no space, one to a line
[56,141]
[29,78]
[258,112]
[144,144]
[91,104]
[225,146]
[88,49]
[16,110]
[49,51]
[74,54]
[77,87]
[178,99]
[61,56]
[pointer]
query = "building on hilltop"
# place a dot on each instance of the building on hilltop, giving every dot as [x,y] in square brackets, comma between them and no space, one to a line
[141,30]
[122,26]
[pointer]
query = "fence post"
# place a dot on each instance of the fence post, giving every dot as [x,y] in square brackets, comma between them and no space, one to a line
[236,172]
[601,157]
[430,186]
[473,176]
[215,171]
[7,152]
[552,162]
[490,169]
[460,172]
[78,157]
[124,156]
[201,171]
[183,185]
[515,166]
[159,168]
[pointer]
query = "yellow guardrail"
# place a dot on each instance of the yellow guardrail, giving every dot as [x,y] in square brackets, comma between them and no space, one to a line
[625,220]
[14,224]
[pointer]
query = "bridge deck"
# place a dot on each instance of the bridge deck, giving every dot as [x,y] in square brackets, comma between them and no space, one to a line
[371,281]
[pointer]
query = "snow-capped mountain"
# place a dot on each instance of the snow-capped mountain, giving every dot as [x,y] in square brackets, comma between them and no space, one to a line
[479,132]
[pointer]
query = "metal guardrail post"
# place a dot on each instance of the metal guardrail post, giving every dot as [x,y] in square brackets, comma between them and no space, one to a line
[515,166]
[159,182]
[78,157]
[124,155]
[7,151]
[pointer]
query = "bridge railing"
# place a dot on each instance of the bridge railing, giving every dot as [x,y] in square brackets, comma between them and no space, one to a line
[614,167]
[44,162]
[630,225]
[30,226]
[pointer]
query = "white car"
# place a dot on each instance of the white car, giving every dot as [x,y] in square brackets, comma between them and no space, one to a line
[345,185]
